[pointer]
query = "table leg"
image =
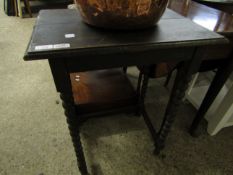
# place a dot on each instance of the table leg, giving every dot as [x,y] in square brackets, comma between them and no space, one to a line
[219,80]
[28,7]
[63,85]
[73,124]
[184,74]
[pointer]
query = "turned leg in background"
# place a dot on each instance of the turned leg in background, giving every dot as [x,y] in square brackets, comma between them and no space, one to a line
[28,7]
[177,94]
[184,74]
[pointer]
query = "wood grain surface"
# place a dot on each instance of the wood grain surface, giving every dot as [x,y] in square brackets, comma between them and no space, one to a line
[96,91]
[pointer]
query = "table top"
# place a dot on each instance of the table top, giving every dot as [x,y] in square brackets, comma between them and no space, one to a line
[58,33]
[210,18]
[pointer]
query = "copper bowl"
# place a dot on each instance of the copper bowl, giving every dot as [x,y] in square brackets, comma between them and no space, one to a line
[121,14]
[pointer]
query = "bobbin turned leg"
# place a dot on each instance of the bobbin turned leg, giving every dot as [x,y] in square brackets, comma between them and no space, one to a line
[184,74]
[62,81]
[178,92]
[73,125]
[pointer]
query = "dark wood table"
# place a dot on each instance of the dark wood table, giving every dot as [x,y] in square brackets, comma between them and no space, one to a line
[210,18]
[224,5]
[71,46]
[222,23]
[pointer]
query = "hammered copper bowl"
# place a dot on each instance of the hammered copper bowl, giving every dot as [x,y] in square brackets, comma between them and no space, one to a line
[121,14]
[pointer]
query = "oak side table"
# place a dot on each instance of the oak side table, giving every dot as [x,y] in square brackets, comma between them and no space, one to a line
[83,61]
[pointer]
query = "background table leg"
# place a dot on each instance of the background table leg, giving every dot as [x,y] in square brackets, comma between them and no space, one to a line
[219,80]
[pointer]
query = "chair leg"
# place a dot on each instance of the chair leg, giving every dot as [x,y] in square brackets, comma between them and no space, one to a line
[145,115]
[125,69]
[170,75]
[139,83]
[168,79]
[27,5]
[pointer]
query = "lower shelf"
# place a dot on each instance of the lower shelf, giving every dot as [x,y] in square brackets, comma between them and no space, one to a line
[103,92]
